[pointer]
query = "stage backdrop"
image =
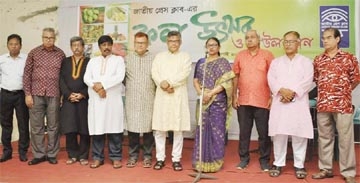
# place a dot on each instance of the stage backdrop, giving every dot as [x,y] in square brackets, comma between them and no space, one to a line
[199,20]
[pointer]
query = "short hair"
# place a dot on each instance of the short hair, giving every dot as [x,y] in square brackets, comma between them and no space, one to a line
[14,36]
[253,30]
[336,32]
[104,39]
[141,34]
[49,29]
[77,38]
[296,34]
[174,33]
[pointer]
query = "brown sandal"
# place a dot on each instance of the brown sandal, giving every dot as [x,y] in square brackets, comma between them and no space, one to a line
[131,163]
[96,164]
[147,163]
[71,161]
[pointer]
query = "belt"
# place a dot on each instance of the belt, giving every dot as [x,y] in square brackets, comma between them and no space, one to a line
[11,91]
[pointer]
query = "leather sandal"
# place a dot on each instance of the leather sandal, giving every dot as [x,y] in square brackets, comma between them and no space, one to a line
[71,161]
[147,163]
[96,164]
[275,171]
[177,166]
[159,165]
[131,163]
[324,173]
[116,164]
[300,173]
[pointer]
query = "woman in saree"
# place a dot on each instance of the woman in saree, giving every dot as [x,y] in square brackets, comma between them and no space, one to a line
[213,74]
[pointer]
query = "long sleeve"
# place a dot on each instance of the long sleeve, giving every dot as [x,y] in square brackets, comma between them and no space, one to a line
[28,70]
[88,76]
[65,91]
[155,69]
[113,80]
[273,78]
[181,77]
[305,85]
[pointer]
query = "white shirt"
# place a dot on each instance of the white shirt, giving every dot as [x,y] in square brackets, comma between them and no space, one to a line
[11,71]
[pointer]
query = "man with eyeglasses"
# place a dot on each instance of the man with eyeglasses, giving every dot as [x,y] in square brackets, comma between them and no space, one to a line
[336,74]
[42,97]
[252,99]
[139,103]
[170,71]
[290,78]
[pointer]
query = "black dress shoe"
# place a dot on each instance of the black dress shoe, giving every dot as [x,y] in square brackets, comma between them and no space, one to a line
[37,160]
[5,158]
[52,160]
[23,157]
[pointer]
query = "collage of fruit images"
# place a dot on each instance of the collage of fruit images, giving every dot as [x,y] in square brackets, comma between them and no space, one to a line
[111,20]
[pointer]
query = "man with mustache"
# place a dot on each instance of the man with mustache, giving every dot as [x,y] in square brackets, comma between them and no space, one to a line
[73,113]
[103,76]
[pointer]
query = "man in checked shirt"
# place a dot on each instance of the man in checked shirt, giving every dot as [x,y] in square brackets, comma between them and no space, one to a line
[42,96]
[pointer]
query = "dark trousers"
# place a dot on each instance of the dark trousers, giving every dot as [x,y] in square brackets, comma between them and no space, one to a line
[134,145]
[246,117]
[114,146]
[75,149]
[10,101]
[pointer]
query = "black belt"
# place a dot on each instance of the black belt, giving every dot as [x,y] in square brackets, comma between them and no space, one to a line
[12,91]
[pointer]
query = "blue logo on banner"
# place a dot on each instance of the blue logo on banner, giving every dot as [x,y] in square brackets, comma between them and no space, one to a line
[336,17]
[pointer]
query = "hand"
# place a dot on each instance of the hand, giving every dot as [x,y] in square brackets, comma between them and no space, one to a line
[269,102]
[164,85]
[286,95]
[235,104]
[102,93]
[207,97]
[97,86]
[170,90]
[29,101]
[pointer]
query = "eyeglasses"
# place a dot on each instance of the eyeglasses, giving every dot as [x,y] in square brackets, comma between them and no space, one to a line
[290,41]
[174,41]
[141,43]
[212,45]
[48,38]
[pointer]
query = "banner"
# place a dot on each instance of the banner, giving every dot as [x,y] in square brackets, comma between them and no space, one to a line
[227,20]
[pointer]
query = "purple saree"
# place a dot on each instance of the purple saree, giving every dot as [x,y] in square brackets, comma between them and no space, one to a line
[214,114]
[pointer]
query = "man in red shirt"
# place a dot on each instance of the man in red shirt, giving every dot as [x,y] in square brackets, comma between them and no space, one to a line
[251,98]
[42,96]
[336,74]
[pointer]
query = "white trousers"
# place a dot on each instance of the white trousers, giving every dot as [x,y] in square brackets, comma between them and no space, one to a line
[299,145]
[160,143]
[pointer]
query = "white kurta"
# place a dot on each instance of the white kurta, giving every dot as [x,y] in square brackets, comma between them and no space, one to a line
[105,115]
[171,111]
[291,118]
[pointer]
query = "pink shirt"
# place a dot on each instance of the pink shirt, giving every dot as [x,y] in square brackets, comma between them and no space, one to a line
[253,88]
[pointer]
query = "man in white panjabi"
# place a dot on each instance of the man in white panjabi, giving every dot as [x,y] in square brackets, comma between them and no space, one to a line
[104,75]
[290,78]
[170,71]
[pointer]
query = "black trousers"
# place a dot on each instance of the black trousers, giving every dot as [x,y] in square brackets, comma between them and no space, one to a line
[134,145]
[10,101]
[246,117]
[75,148]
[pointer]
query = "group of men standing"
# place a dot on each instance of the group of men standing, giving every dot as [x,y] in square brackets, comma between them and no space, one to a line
[273,92]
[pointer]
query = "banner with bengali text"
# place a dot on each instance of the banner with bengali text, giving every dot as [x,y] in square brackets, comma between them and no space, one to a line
[227,20]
